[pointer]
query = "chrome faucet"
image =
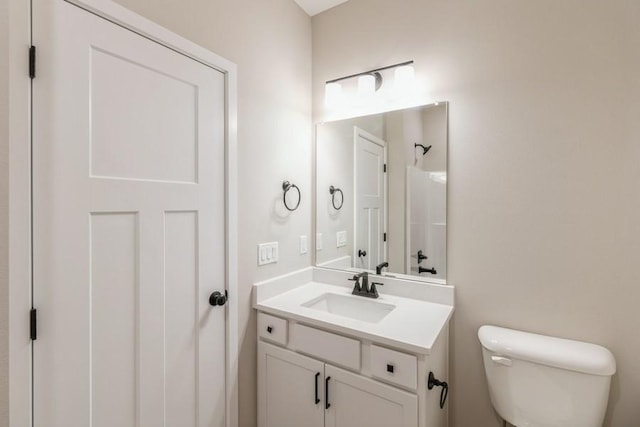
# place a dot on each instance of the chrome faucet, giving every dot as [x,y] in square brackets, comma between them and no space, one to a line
[363,289]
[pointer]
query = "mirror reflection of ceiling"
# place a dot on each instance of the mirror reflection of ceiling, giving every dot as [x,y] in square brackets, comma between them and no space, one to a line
[313,7]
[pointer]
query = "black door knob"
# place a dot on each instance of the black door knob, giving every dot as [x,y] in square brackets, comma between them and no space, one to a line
[217,298]
[362,253]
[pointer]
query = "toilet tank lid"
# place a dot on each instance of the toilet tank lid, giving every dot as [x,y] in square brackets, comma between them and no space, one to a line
[557,352]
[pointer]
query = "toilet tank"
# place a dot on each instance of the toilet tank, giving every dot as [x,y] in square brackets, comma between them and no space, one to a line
[541,381]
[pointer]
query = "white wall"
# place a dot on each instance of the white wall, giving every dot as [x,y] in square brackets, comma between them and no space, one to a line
[271,43]
[4,214]
[543,177]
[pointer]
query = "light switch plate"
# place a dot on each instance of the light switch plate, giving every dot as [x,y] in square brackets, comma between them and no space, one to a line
[318,241]
[304,246]
[341,239]
[267,253]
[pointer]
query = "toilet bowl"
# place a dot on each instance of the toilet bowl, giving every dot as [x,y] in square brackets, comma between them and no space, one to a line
[541,381]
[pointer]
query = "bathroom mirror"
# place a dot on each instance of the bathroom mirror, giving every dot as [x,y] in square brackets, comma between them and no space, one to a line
[381,194]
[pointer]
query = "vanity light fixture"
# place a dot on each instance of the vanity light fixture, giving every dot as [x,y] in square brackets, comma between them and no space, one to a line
[369,82]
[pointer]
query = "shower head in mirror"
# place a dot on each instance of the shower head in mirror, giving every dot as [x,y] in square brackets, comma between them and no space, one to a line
[425,150]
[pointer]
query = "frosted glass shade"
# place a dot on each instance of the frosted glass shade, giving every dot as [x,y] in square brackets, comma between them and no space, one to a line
[366,85]
[404,78]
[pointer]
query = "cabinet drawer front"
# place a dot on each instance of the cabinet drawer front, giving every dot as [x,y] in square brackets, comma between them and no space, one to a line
[394,366]
[333,348]
[272,328]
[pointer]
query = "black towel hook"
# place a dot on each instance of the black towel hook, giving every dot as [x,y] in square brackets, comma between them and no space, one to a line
[333,190]
[286,186]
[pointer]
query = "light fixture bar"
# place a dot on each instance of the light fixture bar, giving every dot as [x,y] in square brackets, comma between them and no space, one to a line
[369,72]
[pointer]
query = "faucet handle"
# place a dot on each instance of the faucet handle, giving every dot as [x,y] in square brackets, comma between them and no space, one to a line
[356,287]
[373,290]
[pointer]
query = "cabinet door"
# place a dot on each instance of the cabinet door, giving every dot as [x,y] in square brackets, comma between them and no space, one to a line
[290,389]
[356,401]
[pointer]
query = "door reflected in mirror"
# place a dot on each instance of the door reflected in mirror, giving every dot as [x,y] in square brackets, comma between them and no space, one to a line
[382,193]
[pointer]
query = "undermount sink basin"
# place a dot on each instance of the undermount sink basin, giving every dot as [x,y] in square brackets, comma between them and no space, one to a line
[353,307]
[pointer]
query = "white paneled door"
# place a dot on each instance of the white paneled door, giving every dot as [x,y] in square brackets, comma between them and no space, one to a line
[128,228]
[370,195]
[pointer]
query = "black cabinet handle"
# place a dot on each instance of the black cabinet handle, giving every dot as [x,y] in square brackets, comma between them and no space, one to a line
[390,368]
[327,405]
[361,253]
[269,329]
[317,398]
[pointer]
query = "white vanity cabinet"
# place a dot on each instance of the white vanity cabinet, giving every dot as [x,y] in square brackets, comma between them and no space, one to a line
[288,383]
[311,377]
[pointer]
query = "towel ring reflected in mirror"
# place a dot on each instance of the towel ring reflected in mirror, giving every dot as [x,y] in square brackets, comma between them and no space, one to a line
[286,186]
[333,190]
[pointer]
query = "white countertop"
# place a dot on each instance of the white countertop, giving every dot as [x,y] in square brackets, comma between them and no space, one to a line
[414,324]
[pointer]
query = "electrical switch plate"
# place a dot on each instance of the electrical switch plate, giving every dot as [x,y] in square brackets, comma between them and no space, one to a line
[267,253]
[341,239]
[318,241]
[304,247]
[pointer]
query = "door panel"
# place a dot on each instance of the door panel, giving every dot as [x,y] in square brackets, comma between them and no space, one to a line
[128,228]
[181,339]
[160,143]
[286,389]
[114,289]
[370,154]
[357,401]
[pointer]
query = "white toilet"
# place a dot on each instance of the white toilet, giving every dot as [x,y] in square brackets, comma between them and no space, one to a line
[540,381]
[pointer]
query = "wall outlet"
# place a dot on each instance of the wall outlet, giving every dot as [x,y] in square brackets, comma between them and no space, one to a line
[267,253]
[304,246]
[341,239]
[318,241]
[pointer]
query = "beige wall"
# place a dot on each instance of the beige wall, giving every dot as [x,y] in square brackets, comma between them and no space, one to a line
[4,214]
[544,166]
[271,43]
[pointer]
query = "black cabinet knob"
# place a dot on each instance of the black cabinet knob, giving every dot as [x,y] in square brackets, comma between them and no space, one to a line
[390,368]
[217,299]
[269,329]
[361,253]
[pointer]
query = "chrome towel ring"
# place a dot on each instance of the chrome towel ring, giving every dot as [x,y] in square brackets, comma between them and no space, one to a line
[286,186]
[333,190]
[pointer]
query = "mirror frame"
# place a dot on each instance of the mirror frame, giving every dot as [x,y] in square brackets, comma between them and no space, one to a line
[314,201]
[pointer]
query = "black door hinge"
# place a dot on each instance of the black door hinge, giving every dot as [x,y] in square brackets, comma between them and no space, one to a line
[33,324]
[32,62]
[384,168]
[384,236]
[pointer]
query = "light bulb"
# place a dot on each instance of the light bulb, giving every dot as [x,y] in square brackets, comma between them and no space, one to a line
[332,94]
[366,85]
[404,78]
